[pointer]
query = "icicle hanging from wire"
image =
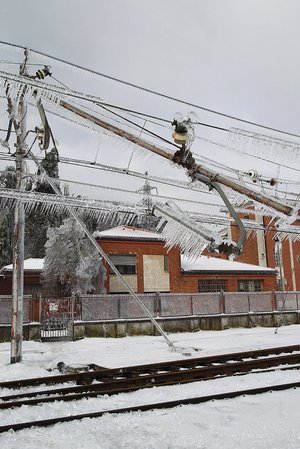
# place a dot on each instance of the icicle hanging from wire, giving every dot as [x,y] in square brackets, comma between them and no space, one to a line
[180,230]
[51,204]
[292,234]
[255,144]
[16,89]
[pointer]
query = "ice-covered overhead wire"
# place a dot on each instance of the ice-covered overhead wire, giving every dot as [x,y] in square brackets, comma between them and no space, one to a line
[123,212]
[149,91]
[280,150]
[49,203]
[160,151]
[196,187]
[180,159]
[70,182]
[240,132]
[178,229]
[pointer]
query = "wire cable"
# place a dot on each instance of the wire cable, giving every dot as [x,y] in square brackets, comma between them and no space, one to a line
[150,91]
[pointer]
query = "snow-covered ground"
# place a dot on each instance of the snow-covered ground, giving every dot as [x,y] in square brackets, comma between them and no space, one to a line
[266,421]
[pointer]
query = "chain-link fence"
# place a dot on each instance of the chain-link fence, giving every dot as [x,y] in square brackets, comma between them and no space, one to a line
[115,307]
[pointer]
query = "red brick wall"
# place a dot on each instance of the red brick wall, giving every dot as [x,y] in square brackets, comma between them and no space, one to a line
[286,257]
[5,285]
[250,253]
[6,282]
[250,249]
[139,248]
[178,281]
[188,283]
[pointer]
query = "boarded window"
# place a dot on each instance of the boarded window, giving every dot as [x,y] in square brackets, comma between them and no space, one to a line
[250,286]
[156,273]
[125,263]
[212,285]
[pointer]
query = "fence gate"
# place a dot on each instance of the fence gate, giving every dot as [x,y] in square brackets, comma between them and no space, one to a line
[57,319]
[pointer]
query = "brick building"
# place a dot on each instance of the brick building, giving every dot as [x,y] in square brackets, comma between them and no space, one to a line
[148,266]
[263,250]
[32,277]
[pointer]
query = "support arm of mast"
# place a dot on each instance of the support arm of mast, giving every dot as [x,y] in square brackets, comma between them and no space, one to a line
[188,163]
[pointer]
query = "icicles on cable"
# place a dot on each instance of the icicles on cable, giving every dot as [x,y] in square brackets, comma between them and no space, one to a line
[54,204]
[179,230]
[17,90]
[278,150]
[292,234]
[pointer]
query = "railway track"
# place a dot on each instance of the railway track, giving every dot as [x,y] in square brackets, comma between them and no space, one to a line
[147,407]
[99,381]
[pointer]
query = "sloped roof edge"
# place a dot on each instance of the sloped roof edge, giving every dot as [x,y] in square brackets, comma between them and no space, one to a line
[213,264]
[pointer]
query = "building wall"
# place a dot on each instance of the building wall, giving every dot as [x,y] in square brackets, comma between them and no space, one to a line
[190,282]
[290,255]
[250,252]
[179,282]
[140,249]
[31,282]
[176,281]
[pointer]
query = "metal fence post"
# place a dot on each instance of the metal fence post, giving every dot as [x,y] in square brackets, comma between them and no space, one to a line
[222,307]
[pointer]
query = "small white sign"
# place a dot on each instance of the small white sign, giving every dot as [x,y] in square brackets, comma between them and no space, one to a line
[53,307]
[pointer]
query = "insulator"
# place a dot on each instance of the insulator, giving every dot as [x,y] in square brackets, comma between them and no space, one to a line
[179,138]
[253,174]
[180,134]
[42,73]
[228,249]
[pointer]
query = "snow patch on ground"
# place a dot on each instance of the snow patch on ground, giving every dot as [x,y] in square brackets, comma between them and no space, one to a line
[265,421]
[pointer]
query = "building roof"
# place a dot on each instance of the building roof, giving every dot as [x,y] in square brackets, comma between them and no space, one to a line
[127,233]
[213,264]
[30,264]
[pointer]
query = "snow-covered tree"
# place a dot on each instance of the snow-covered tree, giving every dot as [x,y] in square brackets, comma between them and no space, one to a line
[71,261]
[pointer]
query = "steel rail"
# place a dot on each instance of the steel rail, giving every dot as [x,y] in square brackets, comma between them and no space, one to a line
[148,407]
[100,371]
[123,389]
[113,385]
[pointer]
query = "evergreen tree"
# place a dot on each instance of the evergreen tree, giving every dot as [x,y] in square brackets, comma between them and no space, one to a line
[71,261]
[37,223]
[8,180]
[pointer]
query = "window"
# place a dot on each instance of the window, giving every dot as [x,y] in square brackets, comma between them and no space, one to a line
[250,286]
[125,263]
[166,264]
[211,285]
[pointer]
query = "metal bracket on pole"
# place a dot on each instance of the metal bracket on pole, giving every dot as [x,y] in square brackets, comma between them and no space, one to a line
[234,248]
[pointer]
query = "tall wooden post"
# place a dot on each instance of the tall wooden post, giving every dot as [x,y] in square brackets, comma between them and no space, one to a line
[18,232]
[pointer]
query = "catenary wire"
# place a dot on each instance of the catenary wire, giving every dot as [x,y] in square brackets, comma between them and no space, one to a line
[153,92]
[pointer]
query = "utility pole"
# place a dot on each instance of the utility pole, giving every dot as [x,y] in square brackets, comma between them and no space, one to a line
[19,122]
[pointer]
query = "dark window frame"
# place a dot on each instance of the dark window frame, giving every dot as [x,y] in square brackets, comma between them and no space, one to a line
[212,285]
[257,285]
[124,268]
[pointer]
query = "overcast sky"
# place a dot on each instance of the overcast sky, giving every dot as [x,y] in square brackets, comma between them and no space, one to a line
[239,57]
